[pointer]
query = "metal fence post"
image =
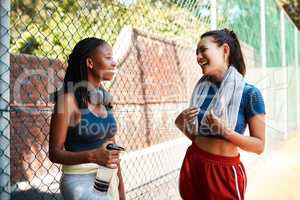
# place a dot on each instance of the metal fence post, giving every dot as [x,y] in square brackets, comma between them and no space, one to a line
[296,47]
[213,15]
[4,102]
[298,74]
[284,65]
[263,33]
[262,13]
[282,37]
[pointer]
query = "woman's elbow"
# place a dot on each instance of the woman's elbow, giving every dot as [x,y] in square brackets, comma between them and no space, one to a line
[53,156]
[260,149]
[178,123]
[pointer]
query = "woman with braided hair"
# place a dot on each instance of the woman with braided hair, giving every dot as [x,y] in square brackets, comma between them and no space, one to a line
[82,123]
[221,107]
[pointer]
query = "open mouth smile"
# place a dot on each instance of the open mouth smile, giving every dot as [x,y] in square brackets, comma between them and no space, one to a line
[203,64]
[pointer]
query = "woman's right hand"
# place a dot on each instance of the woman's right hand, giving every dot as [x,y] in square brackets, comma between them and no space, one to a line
[187,116]
[104,157]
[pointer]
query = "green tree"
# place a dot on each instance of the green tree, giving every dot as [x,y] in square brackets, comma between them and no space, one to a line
[52,28]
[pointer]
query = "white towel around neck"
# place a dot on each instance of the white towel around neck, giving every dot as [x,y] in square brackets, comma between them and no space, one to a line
[225,103]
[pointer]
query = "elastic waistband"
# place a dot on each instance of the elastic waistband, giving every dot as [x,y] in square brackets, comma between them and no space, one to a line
[213,158]
[87,168]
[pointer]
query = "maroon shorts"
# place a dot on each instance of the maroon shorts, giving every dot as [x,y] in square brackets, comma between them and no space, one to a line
[207,176]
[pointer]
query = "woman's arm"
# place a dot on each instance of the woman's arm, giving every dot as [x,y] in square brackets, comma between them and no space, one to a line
[254,143]
[60,121]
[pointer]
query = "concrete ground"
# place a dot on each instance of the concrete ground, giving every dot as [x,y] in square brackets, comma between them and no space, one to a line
[276,175]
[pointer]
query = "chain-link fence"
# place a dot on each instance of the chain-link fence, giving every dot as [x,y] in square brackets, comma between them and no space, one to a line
[5,173]
[154,43]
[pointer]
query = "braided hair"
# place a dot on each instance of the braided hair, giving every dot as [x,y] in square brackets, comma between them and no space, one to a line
[76,73]
[236,58]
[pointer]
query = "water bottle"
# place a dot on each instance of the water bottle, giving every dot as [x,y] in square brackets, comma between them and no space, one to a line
[105,174]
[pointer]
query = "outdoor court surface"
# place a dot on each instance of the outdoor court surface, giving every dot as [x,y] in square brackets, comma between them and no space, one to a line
[276,176]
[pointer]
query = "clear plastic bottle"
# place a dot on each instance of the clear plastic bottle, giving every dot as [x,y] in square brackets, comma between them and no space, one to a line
[102,181]
[104,175]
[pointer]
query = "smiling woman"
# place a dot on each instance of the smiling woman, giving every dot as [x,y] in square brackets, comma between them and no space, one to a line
[222,105]
[83,124]
[215,54]
[101,64]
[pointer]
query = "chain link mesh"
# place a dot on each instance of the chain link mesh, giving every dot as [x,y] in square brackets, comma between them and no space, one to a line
[154,44]
[5,173]
[289,41]
[292,73]
[243,17]
[273,34]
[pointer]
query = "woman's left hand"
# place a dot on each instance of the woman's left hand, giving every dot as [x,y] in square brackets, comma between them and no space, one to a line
[216,124]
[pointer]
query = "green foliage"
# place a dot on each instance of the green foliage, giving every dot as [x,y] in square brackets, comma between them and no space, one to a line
[29,45]
[52,28]
[292,7]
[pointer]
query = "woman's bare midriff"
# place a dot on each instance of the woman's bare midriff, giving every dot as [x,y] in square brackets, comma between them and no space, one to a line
[216,146]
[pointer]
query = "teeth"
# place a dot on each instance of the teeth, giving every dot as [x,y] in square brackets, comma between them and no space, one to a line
[203,64]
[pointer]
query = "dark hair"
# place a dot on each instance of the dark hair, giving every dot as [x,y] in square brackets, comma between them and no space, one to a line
[77,70]
[235,56]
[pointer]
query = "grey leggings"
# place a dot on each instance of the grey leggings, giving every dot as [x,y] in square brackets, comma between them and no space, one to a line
[79,187]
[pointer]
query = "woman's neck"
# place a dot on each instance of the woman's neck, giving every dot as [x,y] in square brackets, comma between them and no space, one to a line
[94,81]
[219,75]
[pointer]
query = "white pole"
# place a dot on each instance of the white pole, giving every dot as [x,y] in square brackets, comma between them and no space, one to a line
[285,70]
[262,14]
[297,70]
[213,15]
[263,33]
[296,47]
[282,34]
